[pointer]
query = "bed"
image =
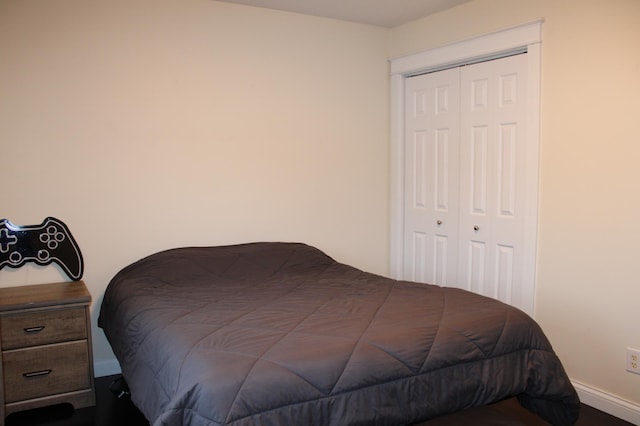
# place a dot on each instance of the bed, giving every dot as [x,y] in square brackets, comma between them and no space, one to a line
[282,334]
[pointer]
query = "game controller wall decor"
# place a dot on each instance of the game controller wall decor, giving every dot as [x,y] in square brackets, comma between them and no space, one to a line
[49,242]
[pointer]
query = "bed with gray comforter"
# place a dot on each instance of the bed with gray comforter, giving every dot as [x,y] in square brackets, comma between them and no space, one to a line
[281,334]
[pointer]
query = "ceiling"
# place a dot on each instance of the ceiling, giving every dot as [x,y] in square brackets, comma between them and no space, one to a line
[384,13]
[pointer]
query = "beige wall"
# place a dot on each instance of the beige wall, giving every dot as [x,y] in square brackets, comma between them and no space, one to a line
[151,124]
[588,286]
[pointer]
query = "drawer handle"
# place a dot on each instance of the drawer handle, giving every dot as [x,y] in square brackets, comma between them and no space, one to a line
[37,373]
[34,329]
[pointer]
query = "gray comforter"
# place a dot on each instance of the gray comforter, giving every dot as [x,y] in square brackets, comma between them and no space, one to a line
[281,334]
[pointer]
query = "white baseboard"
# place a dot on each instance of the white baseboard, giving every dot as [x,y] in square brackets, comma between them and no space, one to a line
[610,404]
[108,367]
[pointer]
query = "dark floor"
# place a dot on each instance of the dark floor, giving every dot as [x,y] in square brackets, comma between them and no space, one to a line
[113,411]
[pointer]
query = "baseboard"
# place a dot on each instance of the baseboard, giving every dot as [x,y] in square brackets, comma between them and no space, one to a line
[106,368]
[610,404]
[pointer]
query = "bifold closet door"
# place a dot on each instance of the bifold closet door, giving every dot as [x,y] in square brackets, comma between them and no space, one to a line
[492,177]
[464,177]
[432,135]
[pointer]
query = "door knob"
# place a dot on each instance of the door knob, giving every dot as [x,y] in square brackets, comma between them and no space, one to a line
[476,227]
[438,222]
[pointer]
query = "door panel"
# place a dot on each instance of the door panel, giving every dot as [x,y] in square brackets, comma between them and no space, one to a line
[431,179]
[492,175]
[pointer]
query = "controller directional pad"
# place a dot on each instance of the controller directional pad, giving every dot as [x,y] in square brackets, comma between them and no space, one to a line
[6,240]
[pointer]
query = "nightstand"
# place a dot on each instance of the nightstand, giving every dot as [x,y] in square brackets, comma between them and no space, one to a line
[45,341]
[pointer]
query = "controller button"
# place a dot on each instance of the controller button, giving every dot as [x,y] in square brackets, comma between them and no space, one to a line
[15,257]
[43,255]
[52,237]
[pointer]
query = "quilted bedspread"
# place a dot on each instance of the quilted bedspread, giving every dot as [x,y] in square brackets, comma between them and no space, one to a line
[281,334]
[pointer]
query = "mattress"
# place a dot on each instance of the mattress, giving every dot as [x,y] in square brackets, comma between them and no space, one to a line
[281,333]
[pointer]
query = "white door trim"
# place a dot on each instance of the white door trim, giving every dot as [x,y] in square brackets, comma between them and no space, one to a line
[522,38]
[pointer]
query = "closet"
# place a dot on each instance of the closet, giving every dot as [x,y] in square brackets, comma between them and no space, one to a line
[465,208]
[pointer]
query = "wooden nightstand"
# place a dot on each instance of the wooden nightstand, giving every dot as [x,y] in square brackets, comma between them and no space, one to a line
[45,337]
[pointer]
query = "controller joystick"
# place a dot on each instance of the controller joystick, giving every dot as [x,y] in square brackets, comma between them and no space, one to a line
[49,242]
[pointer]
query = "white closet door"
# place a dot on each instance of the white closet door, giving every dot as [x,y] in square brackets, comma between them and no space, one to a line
[465,178]
[432,114]
[492,177]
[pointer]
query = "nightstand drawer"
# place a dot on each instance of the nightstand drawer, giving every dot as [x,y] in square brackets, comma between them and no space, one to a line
[43,327]
[47,370]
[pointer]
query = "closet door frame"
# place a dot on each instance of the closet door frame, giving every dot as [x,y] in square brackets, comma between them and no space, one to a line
[520,39]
